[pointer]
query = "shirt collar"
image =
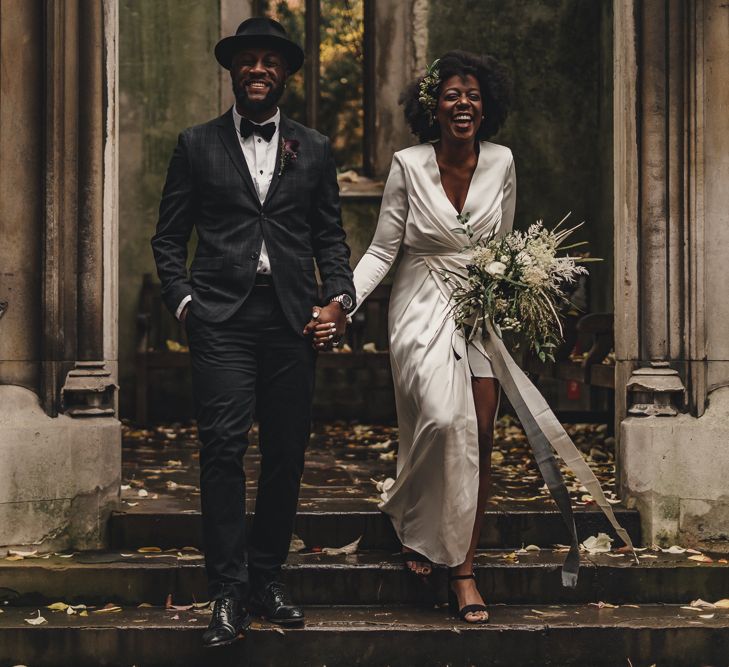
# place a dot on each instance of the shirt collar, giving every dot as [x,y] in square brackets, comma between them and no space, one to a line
[276,119]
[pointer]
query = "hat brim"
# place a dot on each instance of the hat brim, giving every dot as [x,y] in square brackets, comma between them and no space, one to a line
[227,47]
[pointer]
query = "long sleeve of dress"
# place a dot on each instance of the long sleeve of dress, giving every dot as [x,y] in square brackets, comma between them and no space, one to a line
[508,200]
[382,252]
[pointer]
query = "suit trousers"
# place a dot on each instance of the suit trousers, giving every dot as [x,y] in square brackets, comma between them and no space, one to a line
[252,362]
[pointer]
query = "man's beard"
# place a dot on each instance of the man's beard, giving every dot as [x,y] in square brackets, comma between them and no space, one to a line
[256,106]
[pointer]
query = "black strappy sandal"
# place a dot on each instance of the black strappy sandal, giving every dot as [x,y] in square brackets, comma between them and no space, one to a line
[461,612]
[415,557]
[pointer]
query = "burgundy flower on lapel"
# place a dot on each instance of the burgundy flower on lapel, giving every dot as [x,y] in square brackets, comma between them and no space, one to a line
[289,153]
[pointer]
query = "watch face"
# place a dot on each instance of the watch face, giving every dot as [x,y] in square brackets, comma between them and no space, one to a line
[346,301]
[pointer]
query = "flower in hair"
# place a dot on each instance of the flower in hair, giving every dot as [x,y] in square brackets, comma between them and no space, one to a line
[428,90]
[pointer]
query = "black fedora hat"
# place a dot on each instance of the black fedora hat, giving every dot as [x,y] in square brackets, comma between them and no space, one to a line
[260,31]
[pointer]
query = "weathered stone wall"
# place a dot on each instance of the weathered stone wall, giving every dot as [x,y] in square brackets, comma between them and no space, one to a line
[59,475]
[21,146]
[560,126]
[671,240]
[169,80]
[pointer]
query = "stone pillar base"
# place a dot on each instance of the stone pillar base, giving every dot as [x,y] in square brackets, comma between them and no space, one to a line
[675,470]
[59,477]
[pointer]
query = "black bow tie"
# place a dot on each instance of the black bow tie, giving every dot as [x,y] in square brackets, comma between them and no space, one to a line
[247,128]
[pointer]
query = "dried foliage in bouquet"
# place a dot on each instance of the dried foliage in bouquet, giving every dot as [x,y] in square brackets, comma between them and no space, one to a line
[516,283]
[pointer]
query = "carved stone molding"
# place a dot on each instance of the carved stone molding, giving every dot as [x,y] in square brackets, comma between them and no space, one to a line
[659,222]
[73,279]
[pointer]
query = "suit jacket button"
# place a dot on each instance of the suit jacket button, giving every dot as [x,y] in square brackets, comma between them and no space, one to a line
[254,255]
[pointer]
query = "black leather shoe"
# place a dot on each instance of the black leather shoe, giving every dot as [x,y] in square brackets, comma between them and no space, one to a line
[273,603]
[229,619]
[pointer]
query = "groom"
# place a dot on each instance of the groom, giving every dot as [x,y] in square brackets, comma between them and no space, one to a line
[261,191]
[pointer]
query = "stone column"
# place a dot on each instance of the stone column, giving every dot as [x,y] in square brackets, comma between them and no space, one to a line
[671,217]
[60,442]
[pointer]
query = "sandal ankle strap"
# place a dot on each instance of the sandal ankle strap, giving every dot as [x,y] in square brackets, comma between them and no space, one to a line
[458,577]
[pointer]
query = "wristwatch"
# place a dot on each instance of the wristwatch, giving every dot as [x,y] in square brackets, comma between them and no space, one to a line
[344,300]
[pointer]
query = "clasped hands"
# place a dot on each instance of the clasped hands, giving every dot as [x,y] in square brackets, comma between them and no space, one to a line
[328,324]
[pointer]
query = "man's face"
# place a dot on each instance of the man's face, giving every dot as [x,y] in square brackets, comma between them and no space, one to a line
[258,75]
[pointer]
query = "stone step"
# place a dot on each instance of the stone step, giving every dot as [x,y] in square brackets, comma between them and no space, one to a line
[365,578]
[517,636]
[340,521]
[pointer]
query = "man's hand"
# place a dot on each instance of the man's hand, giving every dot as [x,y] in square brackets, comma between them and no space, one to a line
[328,325]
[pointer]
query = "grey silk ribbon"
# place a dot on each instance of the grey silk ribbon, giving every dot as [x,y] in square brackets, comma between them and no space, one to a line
[545,433]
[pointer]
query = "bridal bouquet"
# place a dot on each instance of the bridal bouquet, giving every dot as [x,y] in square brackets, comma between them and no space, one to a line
[516,283]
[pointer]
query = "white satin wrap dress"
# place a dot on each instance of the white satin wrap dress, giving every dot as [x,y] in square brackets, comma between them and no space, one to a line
[433,501]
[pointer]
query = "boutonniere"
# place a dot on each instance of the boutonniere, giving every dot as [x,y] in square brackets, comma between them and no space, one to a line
[289,153]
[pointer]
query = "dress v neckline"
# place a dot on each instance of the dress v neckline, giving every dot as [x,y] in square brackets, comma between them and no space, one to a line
[470,185]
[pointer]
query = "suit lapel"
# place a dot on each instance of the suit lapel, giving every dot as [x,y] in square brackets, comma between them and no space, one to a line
[229,137]
[286,131]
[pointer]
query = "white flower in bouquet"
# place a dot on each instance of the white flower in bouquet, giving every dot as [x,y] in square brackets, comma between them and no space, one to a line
[535,276]
[516,283]
[524,259]
[483,256]
[496,269]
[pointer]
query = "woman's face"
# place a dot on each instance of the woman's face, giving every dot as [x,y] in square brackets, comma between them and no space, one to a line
[460,108]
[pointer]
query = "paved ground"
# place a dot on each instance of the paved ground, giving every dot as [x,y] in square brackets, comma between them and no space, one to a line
[344,462]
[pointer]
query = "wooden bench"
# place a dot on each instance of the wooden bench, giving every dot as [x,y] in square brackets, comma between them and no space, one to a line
[156,326]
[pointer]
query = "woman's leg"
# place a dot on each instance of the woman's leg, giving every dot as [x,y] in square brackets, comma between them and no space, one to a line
[486,399]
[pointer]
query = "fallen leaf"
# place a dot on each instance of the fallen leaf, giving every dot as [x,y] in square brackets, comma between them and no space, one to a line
[701,558]
[707,616]
[23,554]
[296,545]
[148,550]
[381,446]
[36,621]
[345,550]
[675,549]
[603,605]
[702,604]
[108,609]
[57,606]
[722,604]
[600,543]
[143,493]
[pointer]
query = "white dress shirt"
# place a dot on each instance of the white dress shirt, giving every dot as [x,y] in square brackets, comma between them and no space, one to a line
[260,156]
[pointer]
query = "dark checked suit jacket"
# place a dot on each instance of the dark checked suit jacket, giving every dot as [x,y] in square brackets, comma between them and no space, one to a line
[210,188]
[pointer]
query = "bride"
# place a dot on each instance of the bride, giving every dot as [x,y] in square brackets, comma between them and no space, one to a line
[446,390]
